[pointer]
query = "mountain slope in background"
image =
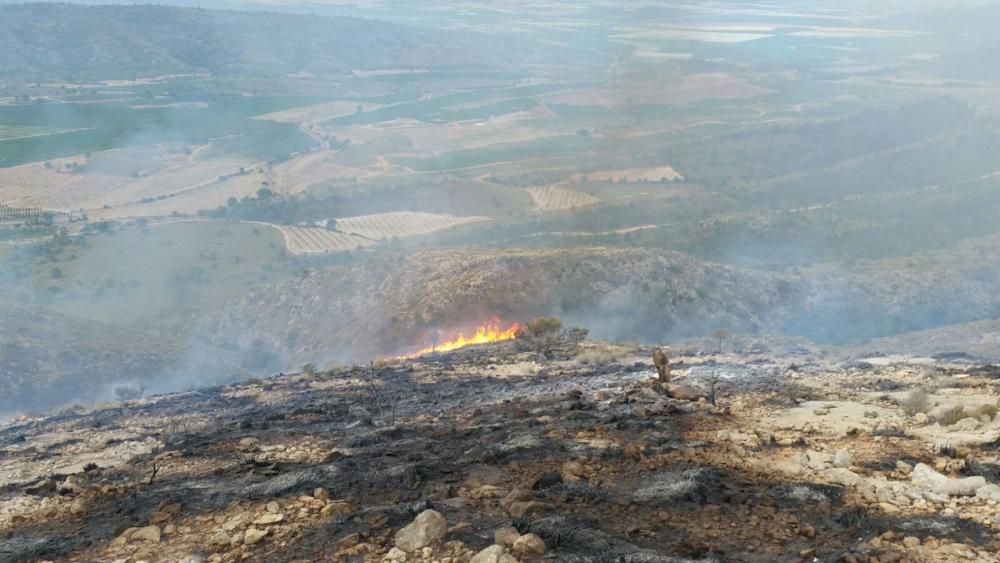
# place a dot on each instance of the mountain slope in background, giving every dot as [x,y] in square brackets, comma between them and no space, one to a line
[72,42]
[49,358]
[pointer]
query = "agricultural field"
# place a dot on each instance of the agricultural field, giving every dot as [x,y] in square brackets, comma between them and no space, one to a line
[316,240]
[84,184]
[384,226]
[557,198]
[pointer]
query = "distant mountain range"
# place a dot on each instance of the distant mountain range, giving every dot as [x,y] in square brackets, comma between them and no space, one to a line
[75,42]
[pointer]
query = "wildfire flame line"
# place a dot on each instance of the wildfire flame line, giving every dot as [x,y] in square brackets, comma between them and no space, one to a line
[492,331]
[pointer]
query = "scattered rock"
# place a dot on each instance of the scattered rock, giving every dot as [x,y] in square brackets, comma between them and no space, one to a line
[219,540]
[428,527]
[254,535]
[395,555]
[519,494]
[43,486]
[989,492]
[529,545]
[843,459]
[506,536]
[927,478]
[349,540]
[529,508]
[547,480]
[684,392]
[358,412]
[268,519]
[249,444]
[572,471]
[148,534]
[491,554]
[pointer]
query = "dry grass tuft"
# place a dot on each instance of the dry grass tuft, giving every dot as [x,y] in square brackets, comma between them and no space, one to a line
[916,401]
[953,415]
[989,411]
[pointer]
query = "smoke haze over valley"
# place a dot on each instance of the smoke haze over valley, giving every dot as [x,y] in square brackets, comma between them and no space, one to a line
[249,189]
[386,281]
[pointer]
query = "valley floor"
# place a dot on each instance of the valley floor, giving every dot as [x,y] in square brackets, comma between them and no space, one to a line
[803,456]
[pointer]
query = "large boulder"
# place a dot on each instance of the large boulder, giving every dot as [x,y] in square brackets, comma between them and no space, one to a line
[989,492]
[925,477]
[428,527]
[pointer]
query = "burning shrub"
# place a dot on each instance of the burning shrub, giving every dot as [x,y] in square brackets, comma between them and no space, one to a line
[546,335]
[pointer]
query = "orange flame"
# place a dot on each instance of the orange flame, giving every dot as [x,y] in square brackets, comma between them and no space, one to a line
[489,332]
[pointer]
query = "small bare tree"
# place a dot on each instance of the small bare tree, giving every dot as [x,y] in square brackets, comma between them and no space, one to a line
[713,384]
[386,412]
[720,336]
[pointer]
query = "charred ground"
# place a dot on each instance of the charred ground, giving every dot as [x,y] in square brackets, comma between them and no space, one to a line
[803,455]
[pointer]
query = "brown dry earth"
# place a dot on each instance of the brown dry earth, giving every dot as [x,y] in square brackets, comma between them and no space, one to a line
[804,457]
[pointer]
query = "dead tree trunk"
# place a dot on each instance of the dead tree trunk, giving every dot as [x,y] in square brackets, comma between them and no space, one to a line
[661,359]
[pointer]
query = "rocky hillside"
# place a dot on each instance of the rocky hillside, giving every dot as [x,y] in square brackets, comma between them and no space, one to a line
[979,340]
[393,304]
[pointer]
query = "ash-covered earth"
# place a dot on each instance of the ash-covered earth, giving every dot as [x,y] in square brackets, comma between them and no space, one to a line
[492,454]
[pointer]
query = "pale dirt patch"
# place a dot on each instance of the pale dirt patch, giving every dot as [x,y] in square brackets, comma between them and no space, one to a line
[298,174]
[210,196]
[58,185]
[840,416]
[640,90]
[318,112]
[506,128]
[194,105]
[389,72]
[701,35]
[854,33]
[184,178]
[655,174]
[552,198]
